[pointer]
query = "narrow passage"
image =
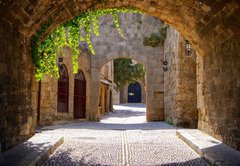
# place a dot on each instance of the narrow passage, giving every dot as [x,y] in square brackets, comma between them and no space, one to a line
[123,137]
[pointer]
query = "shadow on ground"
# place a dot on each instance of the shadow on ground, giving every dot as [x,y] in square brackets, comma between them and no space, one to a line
[85,161]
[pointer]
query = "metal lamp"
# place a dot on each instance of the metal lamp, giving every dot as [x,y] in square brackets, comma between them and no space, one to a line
[188,48]
[60,61]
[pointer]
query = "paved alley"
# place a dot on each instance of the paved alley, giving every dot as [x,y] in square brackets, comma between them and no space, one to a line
[122,137]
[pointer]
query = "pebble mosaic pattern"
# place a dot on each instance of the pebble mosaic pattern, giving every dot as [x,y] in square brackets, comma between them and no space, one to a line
[121,138]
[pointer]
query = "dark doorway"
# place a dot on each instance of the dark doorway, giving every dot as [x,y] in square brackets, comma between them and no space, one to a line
[79,95]
[63,90]
[110,101]
[134,93]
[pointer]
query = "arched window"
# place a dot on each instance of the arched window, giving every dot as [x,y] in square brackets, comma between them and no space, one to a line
[63,90]
[79,95]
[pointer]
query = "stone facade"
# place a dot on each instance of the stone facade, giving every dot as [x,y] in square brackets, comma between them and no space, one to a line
[98,70]
[18,92]
[105,104]
[180,95]
[116,97]
[49,91]
[211,26]
[219,95]
[110,45]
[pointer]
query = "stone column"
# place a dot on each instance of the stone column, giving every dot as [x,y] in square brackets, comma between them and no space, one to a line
[154,97]
[94,94]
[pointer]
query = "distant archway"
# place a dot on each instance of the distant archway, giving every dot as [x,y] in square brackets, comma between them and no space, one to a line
[79,95]
[134,93]
[63,90]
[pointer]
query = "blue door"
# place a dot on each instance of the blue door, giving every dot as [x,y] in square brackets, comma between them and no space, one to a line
[134,93]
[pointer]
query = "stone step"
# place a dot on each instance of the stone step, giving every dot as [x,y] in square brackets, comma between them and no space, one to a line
[33,152]
[211,149]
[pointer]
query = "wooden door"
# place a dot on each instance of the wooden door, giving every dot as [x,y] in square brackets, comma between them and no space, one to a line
[79,96]
[63,90]
[134,93]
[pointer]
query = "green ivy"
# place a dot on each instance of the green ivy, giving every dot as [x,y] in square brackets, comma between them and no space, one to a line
[44,49]
[156,39]
[125,71]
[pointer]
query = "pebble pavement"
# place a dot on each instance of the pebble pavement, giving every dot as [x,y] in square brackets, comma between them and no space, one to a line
[124,138]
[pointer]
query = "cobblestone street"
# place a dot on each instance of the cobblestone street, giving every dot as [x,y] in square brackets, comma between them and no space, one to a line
[123,137]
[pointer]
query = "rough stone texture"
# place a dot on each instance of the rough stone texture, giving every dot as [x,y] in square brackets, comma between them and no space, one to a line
[49,87]
[105,104]
[180,95]
[108,46]
[213,28]
[124,92]
[17,93]
[219,101]
[116,97]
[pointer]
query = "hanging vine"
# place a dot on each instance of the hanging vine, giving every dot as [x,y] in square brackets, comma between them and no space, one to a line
[156,39]
[69,34]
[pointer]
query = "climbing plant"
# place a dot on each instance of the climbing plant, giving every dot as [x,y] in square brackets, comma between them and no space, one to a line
[80,28]
[156,39]
[126,71]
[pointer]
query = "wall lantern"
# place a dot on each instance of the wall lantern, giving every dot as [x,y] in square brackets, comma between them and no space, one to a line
[188,48]
[60,61]
[165,63]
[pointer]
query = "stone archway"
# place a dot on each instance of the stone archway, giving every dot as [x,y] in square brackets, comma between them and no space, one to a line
[211,26]
[110,45]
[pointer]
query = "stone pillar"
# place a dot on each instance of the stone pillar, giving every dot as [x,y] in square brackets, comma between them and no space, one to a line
[154,97]
[179,82]
[18,96]
[219,91]
[93,114]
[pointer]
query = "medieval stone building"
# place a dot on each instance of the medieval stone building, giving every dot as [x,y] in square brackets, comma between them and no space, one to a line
[105,104]
[57,98]
[174,92]
[211,100]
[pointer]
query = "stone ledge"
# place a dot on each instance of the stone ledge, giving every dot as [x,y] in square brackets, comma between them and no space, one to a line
[211,149]
[34,151]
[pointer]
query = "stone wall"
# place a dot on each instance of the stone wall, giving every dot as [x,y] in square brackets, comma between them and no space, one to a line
[107,71]
[110,45]
[116,97]
[49,87]
[105,104]
[219,96]
[17,93]
[180,95]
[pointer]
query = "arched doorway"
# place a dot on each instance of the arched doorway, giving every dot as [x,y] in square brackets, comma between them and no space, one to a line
[134,93]
[63,90]
[79,95]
